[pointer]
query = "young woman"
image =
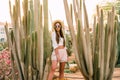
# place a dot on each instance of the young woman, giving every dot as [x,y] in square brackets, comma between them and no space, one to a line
[59,53]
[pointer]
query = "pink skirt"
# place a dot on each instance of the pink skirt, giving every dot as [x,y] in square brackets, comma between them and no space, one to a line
[62,53]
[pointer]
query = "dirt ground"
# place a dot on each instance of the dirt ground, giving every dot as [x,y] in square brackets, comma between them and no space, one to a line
[78,76]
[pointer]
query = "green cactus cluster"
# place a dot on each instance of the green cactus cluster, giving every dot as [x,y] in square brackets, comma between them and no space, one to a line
[30,45]
[29,40]
[95,51]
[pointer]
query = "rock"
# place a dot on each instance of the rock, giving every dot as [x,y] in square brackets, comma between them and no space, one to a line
[73,67]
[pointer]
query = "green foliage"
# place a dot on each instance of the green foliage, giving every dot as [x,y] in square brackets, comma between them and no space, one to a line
[118,66]
[72,62]
[108,5]
[1,47]
[67,71]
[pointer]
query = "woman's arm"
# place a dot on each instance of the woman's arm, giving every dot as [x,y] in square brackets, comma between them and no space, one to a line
[55,45]
[54,42]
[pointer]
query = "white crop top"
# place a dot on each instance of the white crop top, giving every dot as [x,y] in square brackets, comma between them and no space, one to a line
[54,42]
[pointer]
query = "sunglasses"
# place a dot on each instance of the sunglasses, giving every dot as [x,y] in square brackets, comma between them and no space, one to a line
[57,26]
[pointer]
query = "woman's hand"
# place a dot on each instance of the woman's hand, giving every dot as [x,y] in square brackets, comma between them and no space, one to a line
[57,55]
[58,58]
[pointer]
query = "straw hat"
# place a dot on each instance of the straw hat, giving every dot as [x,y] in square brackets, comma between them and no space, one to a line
[59,21]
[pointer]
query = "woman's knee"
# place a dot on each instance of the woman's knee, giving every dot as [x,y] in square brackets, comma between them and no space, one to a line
[53,68]
[54,65]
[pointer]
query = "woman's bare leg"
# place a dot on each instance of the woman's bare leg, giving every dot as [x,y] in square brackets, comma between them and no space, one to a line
[62,66]
[52,70]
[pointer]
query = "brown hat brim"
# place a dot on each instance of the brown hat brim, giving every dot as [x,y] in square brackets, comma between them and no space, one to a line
[54,22]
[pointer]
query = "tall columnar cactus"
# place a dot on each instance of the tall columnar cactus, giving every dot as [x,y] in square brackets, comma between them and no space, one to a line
[96,51]
[118,40]
[26,40]
[47,39]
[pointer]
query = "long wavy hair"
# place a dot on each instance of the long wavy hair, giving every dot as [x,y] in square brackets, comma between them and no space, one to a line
[61,33]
